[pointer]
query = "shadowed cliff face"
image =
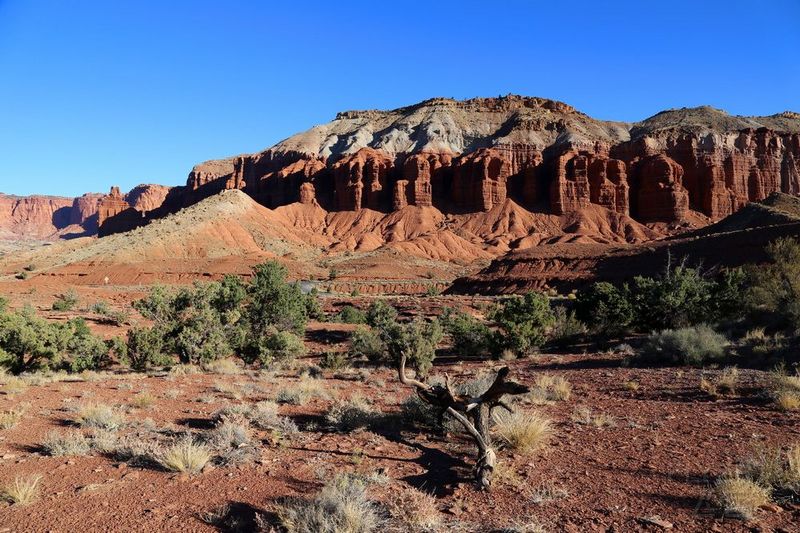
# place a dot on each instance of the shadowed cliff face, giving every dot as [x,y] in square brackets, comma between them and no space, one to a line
[469,156]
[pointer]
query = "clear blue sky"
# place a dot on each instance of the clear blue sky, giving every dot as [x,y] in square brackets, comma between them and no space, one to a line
[98,93]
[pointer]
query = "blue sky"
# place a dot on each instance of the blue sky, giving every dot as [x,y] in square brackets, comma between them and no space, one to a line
[100,93]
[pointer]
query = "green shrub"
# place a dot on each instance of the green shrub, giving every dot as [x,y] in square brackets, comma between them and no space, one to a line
[697,346]
[334,361]
[85,351]
[470,336]
[108,315]
[3,304]
[66,301]
[679,298]
[522,322]
[29,343]
[199,323]
[605,308]
[351,315]
[775,287]
[260,320]
[100,308]
[417,340]
[432,290]
[145,348]
[380,314]
[275,302]
[276,346]
[313,306]
[566,327]
[366,342]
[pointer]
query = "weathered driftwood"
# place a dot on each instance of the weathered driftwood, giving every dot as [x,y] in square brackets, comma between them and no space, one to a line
[474,413]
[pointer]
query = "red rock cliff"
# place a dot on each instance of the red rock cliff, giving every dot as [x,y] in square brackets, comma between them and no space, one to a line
[469,156]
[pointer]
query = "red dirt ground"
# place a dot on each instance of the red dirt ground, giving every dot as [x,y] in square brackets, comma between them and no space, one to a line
[668,443]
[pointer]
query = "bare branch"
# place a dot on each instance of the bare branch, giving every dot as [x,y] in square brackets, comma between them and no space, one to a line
[405,380]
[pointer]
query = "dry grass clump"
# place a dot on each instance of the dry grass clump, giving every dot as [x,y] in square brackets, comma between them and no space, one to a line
[232,441]
[774,467]
[785,389]
[233,391]
[98,415]
[727,380]
[547,492]
[584,415]
[787,401]
[352,414]
[416,510]
[724,384]
[185,455]
[549,388]
[143,400]
[103,440]
[264,415]
[418,413]
[22,490]
[10,418]
[37,379]
[769,471]
[631,385]
[71,442]
[300,394]
[342,506]
[184,370]
[13,385]
[172,394]
[740,497]
[524,432]
[134,449]
[223,366]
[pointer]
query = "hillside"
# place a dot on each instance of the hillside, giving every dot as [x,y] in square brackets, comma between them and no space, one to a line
[734,241]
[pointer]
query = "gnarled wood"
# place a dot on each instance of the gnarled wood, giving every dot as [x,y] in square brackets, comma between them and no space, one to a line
[473,413]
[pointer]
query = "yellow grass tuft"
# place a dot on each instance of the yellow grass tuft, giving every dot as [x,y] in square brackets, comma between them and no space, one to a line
[524,432]
[740,497]
[788,401]
[10,418]
[416,509]
[97,415]
[23,490]
[143,400]
[185,456]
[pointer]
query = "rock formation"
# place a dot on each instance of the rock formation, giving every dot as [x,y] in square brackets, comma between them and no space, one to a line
[470,156]
[47,217]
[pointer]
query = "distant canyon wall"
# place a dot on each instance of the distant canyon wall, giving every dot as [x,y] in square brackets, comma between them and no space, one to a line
[653,178]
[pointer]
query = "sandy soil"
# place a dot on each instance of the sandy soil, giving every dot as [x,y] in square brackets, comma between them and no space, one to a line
[667,443]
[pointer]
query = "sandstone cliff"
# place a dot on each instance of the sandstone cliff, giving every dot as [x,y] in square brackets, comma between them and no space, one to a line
[46,217]
[684,165]
[51,217]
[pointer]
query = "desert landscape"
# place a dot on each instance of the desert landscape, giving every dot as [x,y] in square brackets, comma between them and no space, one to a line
[600,318]
[346,267]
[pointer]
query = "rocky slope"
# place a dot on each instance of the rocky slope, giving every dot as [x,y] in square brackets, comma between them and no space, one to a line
[736,240]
